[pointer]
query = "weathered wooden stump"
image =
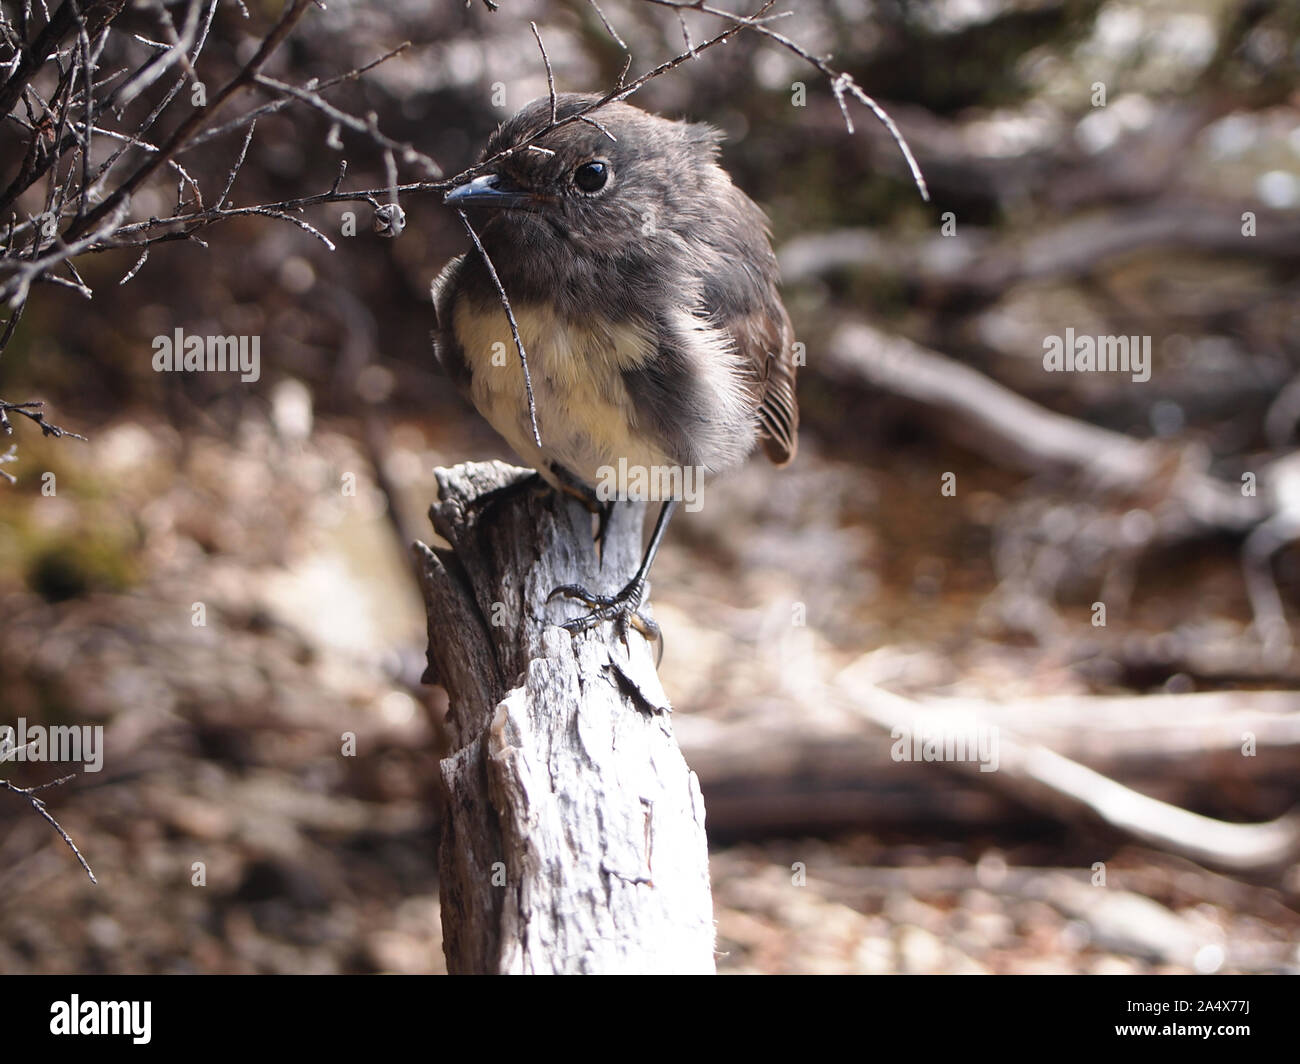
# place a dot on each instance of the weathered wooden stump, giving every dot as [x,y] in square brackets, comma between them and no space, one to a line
[573,835]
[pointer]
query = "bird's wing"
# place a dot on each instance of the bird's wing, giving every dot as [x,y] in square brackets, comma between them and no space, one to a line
[741,292]
[445,345]
[765,339]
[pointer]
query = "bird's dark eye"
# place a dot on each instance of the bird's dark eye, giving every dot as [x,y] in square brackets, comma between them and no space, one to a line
[591,177]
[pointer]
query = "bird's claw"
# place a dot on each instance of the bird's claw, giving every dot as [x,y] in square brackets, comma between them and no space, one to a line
[623,609]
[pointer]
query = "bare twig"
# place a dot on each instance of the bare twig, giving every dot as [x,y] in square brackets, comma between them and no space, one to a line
[514,328]
[279,105]
[239,161]
[550,75]
[686,32]
[33,411]
[144,256]
[367,126]
[608,28]
[30,794]
[845,82]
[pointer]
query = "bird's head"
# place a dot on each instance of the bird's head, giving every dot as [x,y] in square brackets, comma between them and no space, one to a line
[606,185]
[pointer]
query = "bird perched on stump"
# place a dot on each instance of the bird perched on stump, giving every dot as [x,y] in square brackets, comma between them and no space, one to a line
[644,288]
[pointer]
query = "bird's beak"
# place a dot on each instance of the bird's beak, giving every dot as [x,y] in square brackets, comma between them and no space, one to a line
[490,190]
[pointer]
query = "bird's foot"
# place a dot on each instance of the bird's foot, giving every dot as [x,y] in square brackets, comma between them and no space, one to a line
[623,609]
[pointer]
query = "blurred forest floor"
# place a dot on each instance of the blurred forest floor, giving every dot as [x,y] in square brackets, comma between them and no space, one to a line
[224,739]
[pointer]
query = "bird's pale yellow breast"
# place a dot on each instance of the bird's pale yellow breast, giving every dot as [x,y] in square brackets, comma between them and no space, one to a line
[584,413]
[567,352]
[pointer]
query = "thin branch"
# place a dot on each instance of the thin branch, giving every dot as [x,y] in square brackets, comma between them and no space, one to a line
[514,328]
[686,33]
[845,82]
[608,28]
[144,255]
[10,325]
[550,76]
[234,170]
[181,226]
[88,79]
[592,122]
[30,794]
[300,223]
[367,126]
[34,412]
[279,105]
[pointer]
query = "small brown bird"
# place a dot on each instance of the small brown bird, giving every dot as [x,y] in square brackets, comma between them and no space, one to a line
[645,290]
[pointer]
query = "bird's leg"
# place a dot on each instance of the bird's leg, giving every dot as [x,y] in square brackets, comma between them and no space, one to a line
[575,488]
[623,608]
[602,526]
